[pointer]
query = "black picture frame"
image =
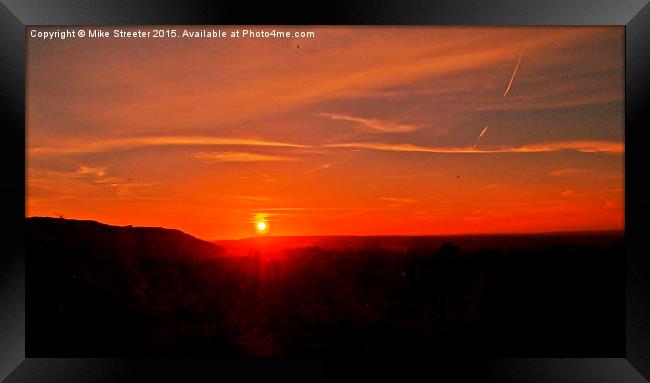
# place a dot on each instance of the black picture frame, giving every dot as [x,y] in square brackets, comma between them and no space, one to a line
[15,15]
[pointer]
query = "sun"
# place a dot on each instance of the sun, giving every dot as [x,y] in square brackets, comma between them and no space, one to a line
[261,227]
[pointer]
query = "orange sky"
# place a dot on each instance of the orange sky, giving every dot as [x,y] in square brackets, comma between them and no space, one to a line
[366,131]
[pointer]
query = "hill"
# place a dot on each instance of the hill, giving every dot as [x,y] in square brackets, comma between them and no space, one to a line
[103,288]
[100,290]
[99,238]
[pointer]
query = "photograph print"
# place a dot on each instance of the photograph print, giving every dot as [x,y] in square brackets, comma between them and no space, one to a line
[276,191]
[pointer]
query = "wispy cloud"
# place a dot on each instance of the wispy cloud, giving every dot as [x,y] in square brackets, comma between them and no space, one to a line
[372,124]
[97,172]
[534,103]
[100,176]
[240,157]
[246,198]
[569,193]
[99,146]
[319,168]
[607,204]
[398,200]
[609,147]
[601,174]
[305,208]
[413,175]
[567,172]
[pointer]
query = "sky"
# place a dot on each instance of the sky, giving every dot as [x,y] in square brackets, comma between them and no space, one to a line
[356,131]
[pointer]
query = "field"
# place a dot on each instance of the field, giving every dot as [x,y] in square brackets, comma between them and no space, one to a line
[100,290]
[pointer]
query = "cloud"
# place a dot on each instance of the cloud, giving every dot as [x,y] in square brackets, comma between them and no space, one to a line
[371,124]
[568,193]
[609,147]
[567,172]
[398,200]
[246,198]
[365,62]
[604,175]
[619,176]
[536,103]
[240,157]
[90,171]
[101,177]
[607,204]
[306,208]
[412,175]
[99,145]
[319,168]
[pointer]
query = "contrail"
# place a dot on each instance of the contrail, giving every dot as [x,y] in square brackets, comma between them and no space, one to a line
[483,133]
[514,73]
[512,79]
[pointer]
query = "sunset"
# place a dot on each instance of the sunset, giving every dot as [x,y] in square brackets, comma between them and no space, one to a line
[314,191]
[354,131]
[261,227]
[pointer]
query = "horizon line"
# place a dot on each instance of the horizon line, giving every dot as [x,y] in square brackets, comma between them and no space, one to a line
[255,237]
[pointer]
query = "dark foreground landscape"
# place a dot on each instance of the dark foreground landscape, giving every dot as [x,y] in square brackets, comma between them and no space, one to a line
[99,290]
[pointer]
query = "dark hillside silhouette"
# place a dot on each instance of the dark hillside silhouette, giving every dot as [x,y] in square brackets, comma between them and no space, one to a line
[100,290]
